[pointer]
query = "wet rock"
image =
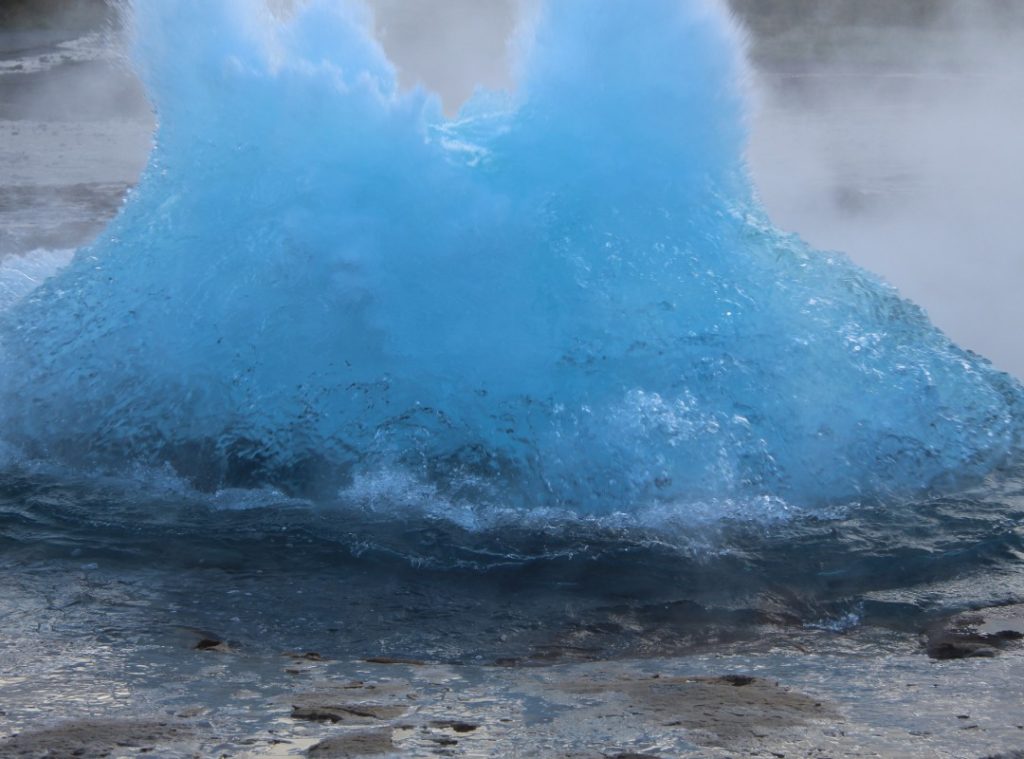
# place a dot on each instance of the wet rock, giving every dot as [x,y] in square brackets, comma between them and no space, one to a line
[363,743]
[95,739]
[950,645]
[394,660]
[212,644]
[347,712]
[715,710]
[737,680]
[352,703]
[982,633]
[562,652]
[457,725]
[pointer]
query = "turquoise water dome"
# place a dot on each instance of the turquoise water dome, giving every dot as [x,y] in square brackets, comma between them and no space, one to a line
[567,296]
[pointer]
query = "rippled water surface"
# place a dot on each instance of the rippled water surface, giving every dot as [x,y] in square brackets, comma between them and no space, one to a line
[539,636]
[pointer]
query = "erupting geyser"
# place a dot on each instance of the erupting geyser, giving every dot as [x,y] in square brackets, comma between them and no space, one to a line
[567,296]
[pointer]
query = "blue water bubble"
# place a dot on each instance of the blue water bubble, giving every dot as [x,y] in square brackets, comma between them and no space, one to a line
[566,297]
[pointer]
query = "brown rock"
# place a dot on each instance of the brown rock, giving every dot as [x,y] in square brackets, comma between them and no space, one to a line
[719,710]
[352,703]
[456,725]
[94,739]
[212,644]
[347,712]
[363,743]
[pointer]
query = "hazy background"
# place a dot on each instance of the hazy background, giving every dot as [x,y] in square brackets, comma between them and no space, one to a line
[889,129]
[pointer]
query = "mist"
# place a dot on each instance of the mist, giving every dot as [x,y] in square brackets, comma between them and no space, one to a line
[899,145]
[451,47]
[75,127]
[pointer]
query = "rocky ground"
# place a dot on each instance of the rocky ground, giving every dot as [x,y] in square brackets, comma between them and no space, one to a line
[953,691]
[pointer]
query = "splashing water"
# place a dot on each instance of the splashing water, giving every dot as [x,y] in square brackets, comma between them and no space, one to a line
[565,297]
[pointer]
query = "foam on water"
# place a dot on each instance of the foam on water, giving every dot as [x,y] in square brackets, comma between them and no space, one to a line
[566,298]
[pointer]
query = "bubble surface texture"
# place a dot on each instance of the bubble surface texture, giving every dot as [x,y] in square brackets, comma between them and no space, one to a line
[565,297]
